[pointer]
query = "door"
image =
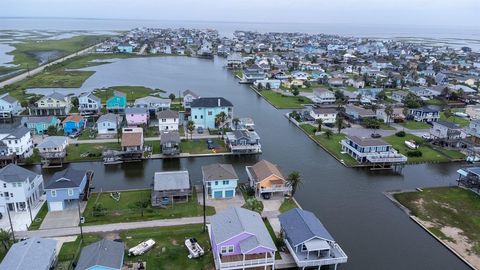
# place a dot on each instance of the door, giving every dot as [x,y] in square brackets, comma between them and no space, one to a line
[217,194]
[229,194]
[55,206]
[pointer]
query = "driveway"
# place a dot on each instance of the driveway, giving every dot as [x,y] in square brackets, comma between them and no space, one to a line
[221,204]
[21,220]
[61,219]
[366,132]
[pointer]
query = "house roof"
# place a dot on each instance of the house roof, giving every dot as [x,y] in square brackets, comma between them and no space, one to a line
[167,114]
[171,180]
[106,253]
[14,173]
[218,172]
[56,95]
[68,178]
[190,92]
[300,225]
[15,133]
[151,99]
[33,253]
[447,124]
[234,221]
[52,141]
[91,96]
[135,110]
[6,97]
[264,169]
[427,109]
[324,110]
[367,141]
[73,118]
[37,119]
[132,139]
[169,136]
[118,93]
[210,102]
[109,117]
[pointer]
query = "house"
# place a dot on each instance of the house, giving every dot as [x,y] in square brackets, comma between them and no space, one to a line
[125,48]
[9,106]
[473,111]
[21,188]
[33,253]
[39,125]
[73,123]
[356,83]
[268,84]
[308,241]
[171,187]
[399,96]
[266,177]
[53,150]
[245,123]
[421,92]
[220,180]
[323,96]
[188,97]
[136,116]
[357,113]
[153,104]
[102,255]
[335,82]
[52,104]
[167,120]
[108,124]
[252,74]
[328,115]
[374,151]
[18,141]
[65,189]
[117,103]
[446,130]
[240,240]
[89,104]
[396,117]
[234,61]
[425,114]
[170,142]
[132,139]
[473,130]
[205,110]
[242,141]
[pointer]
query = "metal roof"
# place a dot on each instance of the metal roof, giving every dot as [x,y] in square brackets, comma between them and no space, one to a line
[106,253]
[171,180]
[210,102]
[33,253]
[52,141]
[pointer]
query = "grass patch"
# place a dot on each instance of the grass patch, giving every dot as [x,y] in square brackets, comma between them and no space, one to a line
[200,146]
[278,242]
[177,107]
[40,217]
[280,101]
[132,92]
[428,153]
[87,134]
[58,78]
[385,126]
[410,124]
[450,153]
[309,129]
[462,122]
[74,151]
[287,204]
[156,146]
[126,211]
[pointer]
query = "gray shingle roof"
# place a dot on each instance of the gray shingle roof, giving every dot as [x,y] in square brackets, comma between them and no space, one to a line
[37,119]
[210,102]
[367,141]
[33,253]
[167,114]
[190,92]
[14,173]
[106,253]
[66,179]
[8,98]
[91,96]
[109,117]
[169,136]
[56,95]
[300,225]
[15,133]
[448,124]
[52,141]
[171,180]
[218,172]
[135,110]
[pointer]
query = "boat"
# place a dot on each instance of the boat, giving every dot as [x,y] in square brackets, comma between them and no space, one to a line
[141,248]
[112,160]
[194,248]
[411,145]
[473,159]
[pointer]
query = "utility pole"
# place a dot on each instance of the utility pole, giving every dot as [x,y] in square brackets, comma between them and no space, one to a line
[30,210]
[11,225]
[204,209]
[80,219]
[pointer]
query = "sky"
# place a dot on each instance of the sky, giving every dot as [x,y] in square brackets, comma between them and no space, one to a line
[397,12]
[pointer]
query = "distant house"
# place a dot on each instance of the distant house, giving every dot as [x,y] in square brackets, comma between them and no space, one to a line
[335,82]
[53,149]
[239,238]
[266,177]
[220,180]
[473,130]
[188,97]
[234,61]
[397,115]
[253,73]
[242,141]
[102,255]
[136,116]
[39,124]
[132,139]
[357,113]
[323,96]
[425,114]
[308,241]
[125,48]
[108,124]
[52,104]
[9,106]
[33,253]
[171,187]
[205,110]
[328,115]
[170,142]
[89,104]
[399,96]
[65,189]
[18,141]
[73,123]
[446,130]
[117,103]
[373,151]
[421,92]
[473,111]
[167,120]
[268,84]
[153,104]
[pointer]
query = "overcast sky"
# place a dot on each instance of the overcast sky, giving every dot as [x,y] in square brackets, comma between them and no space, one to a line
[409,12]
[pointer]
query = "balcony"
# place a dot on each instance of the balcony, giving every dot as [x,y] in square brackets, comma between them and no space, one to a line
[250,260]
[250,148]
[276,189]
[337,255]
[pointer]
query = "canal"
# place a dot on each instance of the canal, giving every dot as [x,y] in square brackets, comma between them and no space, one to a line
[373,232]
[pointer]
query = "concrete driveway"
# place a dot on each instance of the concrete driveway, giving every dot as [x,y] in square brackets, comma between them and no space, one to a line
[221,204]
[366,132]
[61,219]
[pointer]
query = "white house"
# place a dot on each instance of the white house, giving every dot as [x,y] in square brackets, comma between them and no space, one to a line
[268,83]
[18,140]
[328,115]
[52,104]
[108,124]
[153,104]
[323,96]
[167,120]
[89,104]
[9,106]
[188,97]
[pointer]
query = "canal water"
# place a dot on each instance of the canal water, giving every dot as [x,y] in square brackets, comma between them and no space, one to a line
[372,230]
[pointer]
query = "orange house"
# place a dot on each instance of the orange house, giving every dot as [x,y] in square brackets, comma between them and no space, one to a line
[266,178]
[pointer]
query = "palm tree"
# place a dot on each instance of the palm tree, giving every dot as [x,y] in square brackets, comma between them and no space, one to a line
[294,180]
[5,238]
[320,123]
[190,128]
[389,112]
[328,133]
[220,120]
[339,124]
[235,122]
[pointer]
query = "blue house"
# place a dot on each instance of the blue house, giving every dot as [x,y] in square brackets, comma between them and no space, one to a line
[73,123]
[39,124]
[117,103]
[125,48]
[65,189]
[220,180]
[102,255]
[204,110]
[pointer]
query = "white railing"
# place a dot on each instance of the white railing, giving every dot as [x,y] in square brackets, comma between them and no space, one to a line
[315,261]
[249,263]
[390,156]
[276,189]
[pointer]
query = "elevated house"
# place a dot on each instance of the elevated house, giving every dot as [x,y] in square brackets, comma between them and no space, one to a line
[399,96]
[446,130]
[323,96]
[242,141]
[171,187]
[220,181]
[9,106]
[188,97]
[33,253]
[205,110]
[153,104]
[266,178]
[473,131]
[427,114]
[117,103]
[357,113]
[89,104]
[108,124]
[170,142]
[53,150]
[39,125]
[240,240]
[52,104]
[469,177]
[328,115]
[18,142]
[167,120]
[136,116]
[372,151]
[102,255]
[66,189]
[308,241]
[252,74]
[234,61]
[132,143]
[73,123]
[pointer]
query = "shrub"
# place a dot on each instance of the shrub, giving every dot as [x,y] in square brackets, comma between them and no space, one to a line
[99,210]
[414,153]
[400,134]
[254,205]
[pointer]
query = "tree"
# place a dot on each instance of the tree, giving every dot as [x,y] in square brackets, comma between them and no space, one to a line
[52,131]
[382,95]
[339,124]
[254,205]
[190,128]
[448,113]
[142,204]
[171,97]
[74,101]
[5,238]
[268,86]
[320,123]
[235,122]
[295,91]
[294,179]
[328,133]
[220,120]
[374,108]
[389,112]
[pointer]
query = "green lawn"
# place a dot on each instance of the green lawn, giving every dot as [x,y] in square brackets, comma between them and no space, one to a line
[450,153]
[156,146]
[447,206]
[238,72]
[169,252]
[151,132]
[384,126]
[58,78]
[428,153]
[95,149]
[410,124]
[463,122]
[177,107]
[87,134]
[125,210]
[278,242]
[287,204]
[132,92]
[285,102]
[71,250]
[38,219]
[309,129]
[200,146]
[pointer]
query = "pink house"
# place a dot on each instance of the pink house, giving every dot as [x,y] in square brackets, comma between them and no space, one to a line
[136,116]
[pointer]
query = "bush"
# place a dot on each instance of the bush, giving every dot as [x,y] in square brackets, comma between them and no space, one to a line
[254,205]
[414,153]
[99,210]
[400,134]
[250,191]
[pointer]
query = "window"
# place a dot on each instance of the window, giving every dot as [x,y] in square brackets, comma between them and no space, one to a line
[201,116]
[216,183]
[210,112]
[11,195]
[19,184]
[227,249]
[195,117]
[53,193]
[225,182]
[70,192]
[4,185]
[14,184]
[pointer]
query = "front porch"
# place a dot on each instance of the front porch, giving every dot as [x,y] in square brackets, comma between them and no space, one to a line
[317,254]
[245,261]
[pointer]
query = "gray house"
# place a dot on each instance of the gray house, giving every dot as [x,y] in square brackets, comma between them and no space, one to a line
[309,242]
[243,141]
[104,254]
[65,189]
[170,141]
[34,253]
[169,187]
[446,130]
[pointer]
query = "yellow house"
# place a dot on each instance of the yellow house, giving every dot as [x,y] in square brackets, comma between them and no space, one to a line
[471,82]
[266,178]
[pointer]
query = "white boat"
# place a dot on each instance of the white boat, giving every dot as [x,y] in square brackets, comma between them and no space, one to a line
[141,248]
[473,159]
[411,145]
[194,248]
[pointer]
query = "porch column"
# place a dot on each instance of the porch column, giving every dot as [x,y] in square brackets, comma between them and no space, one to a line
[15,207]
[308,254]
[335,268]
[266,257]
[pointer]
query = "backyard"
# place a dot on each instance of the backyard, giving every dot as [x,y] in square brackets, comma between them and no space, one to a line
[200,146]
[89,151]
[410,124]
[462,122]
[280,101]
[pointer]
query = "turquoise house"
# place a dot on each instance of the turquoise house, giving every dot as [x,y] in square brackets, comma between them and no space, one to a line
[125,48]
[117,103]
[220,181]
[205,110]
[39,124]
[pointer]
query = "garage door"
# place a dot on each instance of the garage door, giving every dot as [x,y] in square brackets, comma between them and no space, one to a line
[55,206]
[217,194]
[228,193]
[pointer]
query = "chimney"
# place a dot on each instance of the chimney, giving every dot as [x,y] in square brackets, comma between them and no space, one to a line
[219,102]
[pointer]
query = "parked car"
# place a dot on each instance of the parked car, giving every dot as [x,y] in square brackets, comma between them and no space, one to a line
[74,135]
[200,130]
[210,144]
[267,195]
[376,135]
